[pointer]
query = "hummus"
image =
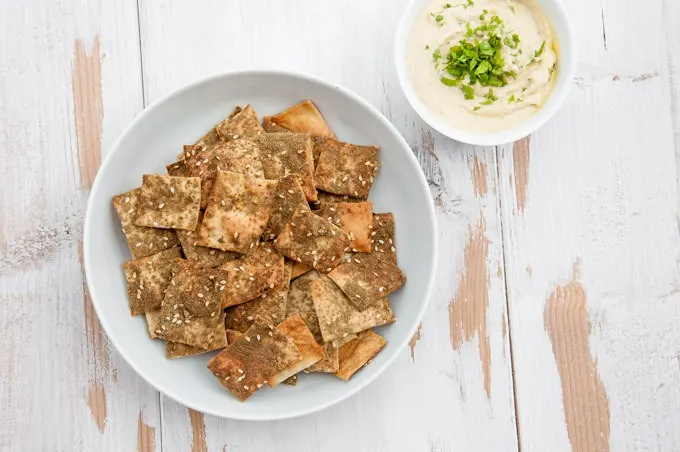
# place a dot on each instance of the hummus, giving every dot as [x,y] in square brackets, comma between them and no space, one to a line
[482,66]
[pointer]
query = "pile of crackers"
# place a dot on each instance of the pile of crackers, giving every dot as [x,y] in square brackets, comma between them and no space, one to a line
[261,242]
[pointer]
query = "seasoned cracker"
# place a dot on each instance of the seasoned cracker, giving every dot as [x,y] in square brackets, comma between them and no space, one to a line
[239,156]
[357,353]
[174,350]
[366,278]
[233,336]
[258,273]
[312,241]
[329,363]
[303,118]
[382,237]
[271,306]
[289,198]
[247,364]
[291,381]
[191,312]
[141,240]
[299,269]
[152,319]
[238,211]
[240,124]
[283,154]
[339,317]
[208,257]
[347,169]
[147,279]
[295,328]
[330,197]
[169,202]
[211,137]
[300,302]
[355,219]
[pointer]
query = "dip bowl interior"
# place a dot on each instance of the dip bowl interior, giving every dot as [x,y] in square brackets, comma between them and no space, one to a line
[567,62]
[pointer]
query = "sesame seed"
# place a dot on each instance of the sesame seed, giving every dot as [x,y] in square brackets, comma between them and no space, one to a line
[357,295]
[245,387]
[158,331]
[393,249]
[235,235]
[271,286]
[250,317]
[200,295]
[223,203]
[259,385]
[207,303]
[357,261]
[258,337]
[247,339]
[270,333]
[172,189]
[240,371]
[212,314]
[329,269]
[381,289]
[382,242]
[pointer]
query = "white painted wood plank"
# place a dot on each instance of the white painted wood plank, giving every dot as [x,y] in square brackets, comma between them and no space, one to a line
[69,82]
[592,246]
[456,391]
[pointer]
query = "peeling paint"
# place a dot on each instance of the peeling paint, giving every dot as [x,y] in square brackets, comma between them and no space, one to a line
[146,436]
[520,157]
[198,443]
[414,340]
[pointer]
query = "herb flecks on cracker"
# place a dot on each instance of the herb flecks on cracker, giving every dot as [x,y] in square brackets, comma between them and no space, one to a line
[296,329]
[347,169]
[366,278]
[169,202]
[284,154]
[147,279]
[313,241]
[355,219]
[241,124]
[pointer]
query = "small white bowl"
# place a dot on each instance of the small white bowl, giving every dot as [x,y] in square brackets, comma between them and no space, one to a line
[156,137]
[564,33]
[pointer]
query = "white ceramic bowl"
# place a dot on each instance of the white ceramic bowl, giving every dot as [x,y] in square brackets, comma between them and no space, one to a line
[559,19]
[156,137]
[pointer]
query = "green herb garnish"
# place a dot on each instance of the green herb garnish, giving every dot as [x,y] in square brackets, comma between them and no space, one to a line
[437,54]
[427,47]
[439,18]
[539,52]
[468,91]
[450,81]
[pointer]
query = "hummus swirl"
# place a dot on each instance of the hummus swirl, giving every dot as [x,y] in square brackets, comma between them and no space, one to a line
[524,61]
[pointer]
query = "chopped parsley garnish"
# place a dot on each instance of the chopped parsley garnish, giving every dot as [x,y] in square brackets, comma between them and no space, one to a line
[450,82]
[439,18]
[539,52]
[437,54]
[427,46]
[469,91]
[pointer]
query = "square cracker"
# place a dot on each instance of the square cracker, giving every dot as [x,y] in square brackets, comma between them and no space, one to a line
[347,169]
[169,202]
[366,279]
[233,336]
[291,381]
[208,257]
[311,352]
[253,275]
[303,118]
[147,279]
[355,219]
[312,241]
[238,211]
[357,353]
[289,199]
[289,153]
[330,197]
[270,126]
[242,123]
[271,306]
[191,312]
[175,350]
[211,137]
[240,156]
[339,317]
[141,240]
[382,237]
[251,361]
[329,363]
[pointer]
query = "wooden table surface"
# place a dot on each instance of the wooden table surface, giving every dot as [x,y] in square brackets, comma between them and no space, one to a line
[555,321]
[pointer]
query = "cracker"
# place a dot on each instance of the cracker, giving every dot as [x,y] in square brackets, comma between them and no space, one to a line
[330,197]
[299,269]
[289,153]
[240,156]
[355,219]
[304,118]
[366,278]
[147,279]
[271,306]
[152,319]
[255,274]
[329,363]
[208,257]
[271,127]
[311,352]
[289,198]
[175,350]
[238,211]
[382,237]
[251,361]
[169,202]
[358,353]
[347,169]
[141,240]
[191,312]
[211,137]
[243,123]
[312,241]
[300,302]
[339,317]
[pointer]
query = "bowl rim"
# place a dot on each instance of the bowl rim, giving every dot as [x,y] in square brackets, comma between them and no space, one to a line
[559,94]
[420,179]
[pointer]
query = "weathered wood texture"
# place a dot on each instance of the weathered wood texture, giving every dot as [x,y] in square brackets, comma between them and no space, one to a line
[579,222]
